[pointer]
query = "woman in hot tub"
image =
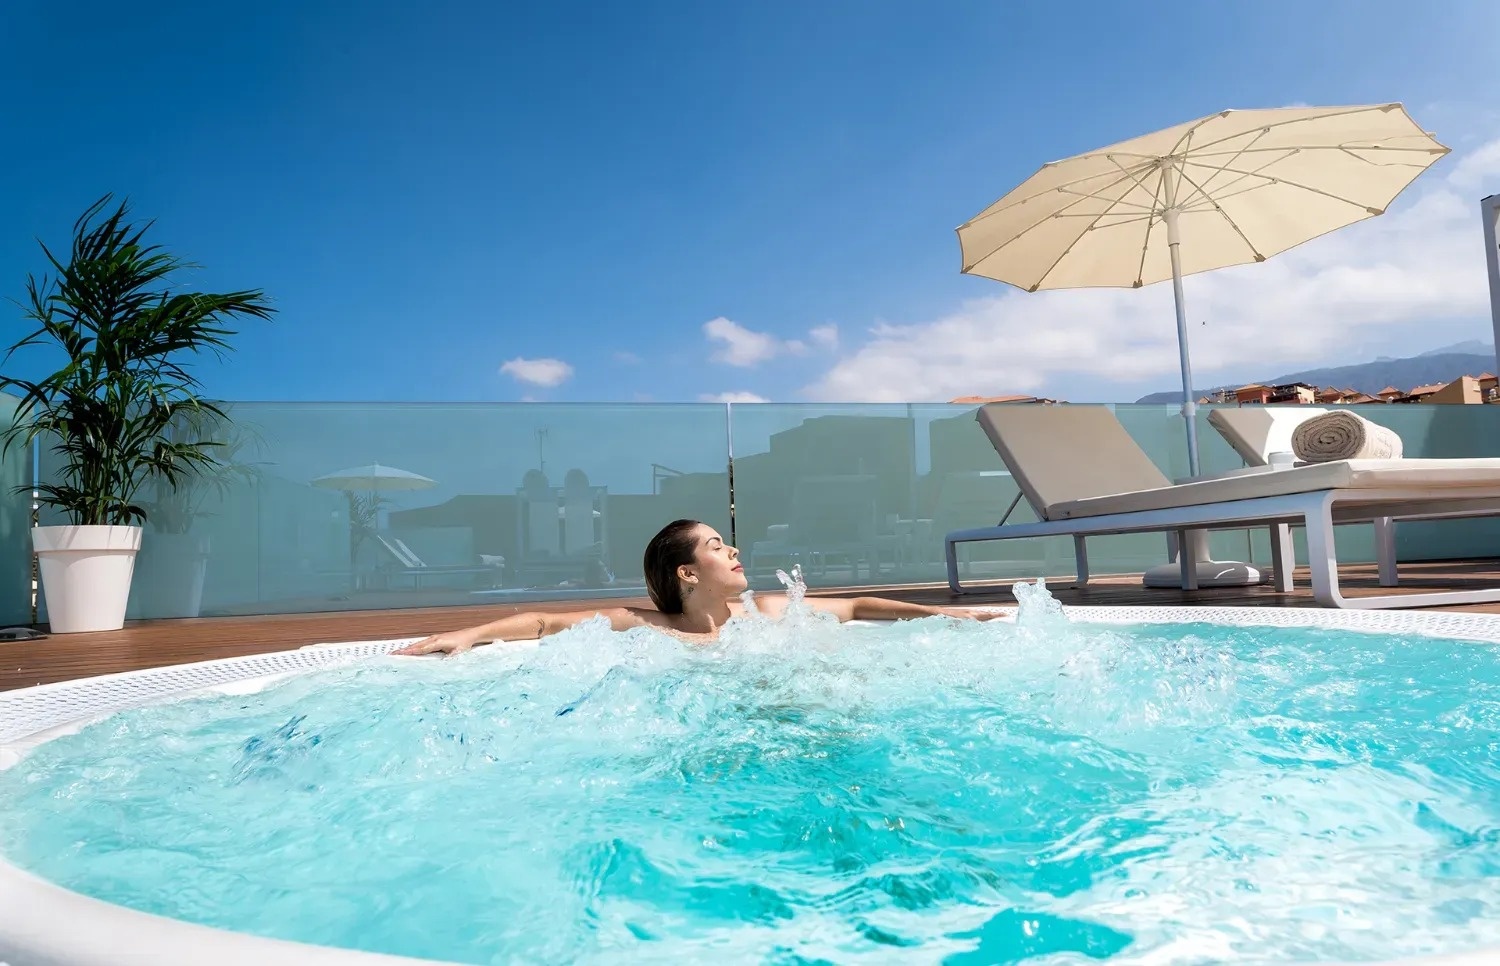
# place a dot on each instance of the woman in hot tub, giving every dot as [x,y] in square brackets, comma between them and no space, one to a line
[695,580]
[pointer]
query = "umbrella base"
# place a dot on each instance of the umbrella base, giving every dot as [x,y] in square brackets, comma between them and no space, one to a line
[1211,573]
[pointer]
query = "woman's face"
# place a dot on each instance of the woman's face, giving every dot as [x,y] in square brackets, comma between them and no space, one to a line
[716,565]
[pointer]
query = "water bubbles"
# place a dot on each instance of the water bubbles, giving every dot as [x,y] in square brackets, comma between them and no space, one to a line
[796,587]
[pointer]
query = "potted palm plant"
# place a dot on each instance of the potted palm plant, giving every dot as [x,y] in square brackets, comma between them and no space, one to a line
[111,412]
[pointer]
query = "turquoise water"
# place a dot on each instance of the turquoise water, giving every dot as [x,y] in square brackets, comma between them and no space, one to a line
[933,791]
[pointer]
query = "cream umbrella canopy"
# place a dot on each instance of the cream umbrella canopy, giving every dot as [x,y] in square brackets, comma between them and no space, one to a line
[374,478]
[1228,189]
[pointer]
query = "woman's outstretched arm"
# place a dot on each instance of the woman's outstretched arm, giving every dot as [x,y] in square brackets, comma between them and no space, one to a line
[525,626]
[884,609]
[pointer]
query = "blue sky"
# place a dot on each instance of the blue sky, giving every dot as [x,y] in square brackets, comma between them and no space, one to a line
[431,191]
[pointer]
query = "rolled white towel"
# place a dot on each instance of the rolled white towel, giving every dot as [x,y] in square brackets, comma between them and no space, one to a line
[1344,436]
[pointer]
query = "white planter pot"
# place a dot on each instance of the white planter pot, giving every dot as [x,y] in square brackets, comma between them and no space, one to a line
[169,575]
[85,575]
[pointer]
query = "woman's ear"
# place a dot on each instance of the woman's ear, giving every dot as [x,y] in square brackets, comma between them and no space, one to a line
[686,575]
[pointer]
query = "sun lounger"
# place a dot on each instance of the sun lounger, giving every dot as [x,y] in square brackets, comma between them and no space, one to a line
[1255,432]
[1085,476]
[411,566]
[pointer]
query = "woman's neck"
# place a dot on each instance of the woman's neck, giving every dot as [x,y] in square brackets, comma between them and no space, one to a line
[702,614]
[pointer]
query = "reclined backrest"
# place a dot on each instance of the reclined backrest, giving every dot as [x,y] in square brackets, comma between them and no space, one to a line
[1060,453]
[1256,432]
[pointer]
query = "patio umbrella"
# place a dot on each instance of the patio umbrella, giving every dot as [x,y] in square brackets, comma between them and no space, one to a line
[374,478]
[1228,189]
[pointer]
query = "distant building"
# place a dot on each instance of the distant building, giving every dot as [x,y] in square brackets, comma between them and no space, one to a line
[1483,388]
[1253,393]
[1299,393]
[1463,390]
[1420,393]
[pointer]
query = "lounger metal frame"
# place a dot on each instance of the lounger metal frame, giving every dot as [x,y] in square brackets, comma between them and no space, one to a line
[1318,511]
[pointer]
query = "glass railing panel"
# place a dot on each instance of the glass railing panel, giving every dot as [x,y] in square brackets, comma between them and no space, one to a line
[830,487]
[15,524]
[335,506]
[965,485]
[865,494]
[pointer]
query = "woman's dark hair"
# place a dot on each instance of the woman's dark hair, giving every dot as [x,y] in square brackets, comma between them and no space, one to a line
[674,545]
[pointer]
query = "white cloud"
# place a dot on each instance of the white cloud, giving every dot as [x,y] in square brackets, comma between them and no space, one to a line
[824,336]
[1476,170]
[627,358]
[732,397]
[746,348]
[739,346]
[1419,266]
[538,372]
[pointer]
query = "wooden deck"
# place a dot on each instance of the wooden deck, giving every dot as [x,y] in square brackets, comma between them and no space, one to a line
[144,644]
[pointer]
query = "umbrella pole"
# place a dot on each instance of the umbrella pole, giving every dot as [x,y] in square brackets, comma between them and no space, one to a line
[1207,572]
[1189,406]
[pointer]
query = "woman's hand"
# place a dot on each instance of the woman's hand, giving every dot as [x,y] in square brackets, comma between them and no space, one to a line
[975,615]
[451,642]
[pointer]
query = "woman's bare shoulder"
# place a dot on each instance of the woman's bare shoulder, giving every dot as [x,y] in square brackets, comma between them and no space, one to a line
[771,605]
[643,616]
[620,618]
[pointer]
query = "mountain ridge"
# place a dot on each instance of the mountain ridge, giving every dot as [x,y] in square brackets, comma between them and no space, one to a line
[1435,366]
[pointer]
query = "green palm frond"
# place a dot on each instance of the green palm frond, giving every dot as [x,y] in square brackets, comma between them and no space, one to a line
[123,408]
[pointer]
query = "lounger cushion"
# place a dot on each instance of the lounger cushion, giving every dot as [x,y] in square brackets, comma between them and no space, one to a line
[1059,454]
[1477,474]
[1256,432]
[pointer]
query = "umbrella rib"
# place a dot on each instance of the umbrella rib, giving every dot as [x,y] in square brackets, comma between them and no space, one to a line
[1202,190]
[1161,183]
[1087,228]
[1296,120]
[1228,220]
[1117,201]
[1187,136]
[1022,200]
[1225,192]
[1269,179]
[1140,269]
[1124,219]
[1036,224]
[1346,147]
[1205,204]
